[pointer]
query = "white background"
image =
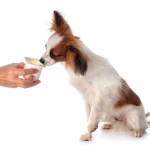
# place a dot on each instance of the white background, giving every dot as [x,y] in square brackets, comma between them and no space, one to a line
[51,115]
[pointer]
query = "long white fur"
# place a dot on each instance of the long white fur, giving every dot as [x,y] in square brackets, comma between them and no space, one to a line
[100,89]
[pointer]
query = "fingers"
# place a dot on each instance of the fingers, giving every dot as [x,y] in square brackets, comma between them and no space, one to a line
[29,71]
[12,76]
[33,84]
[28,81]
[20,72]
[20,65]
[24,83]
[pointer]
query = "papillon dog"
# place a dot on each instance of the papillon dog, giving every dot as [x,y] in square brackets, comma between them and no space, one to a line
[107,96]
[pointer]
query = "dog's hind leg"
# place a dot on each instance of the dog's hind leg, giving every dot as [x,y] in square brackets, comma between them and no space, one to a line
[136,122]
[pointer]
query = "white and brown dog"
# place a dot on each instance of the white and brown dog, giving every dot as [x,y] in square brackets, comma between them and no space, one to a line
[107,96]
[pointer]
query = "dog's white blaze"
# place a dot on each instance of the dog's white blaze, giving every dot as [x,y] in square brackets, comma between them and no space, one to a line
[53,41]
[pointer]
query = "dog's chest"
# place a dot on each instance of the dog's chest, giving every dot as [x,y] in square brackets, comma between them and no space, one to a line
[82,85]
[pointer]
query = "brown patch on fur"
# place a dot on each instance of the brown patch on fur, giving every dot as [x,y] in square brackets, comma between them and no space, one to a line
[76,60]
[68,49]
[58,53]
[127,96]
[60,50]
[70,59]
[74,49]
[59,24]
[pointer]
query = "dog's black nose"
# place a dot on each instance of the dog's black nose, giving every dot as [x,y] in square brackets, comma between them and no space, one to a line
[42,61]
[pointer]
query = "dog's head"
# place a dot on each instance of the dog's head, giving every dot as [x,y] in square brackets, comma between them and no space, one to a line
[63,46]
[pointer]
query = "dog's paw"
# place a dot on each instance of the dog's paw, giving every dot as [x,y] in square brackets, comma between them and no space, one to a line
[92,128]
[138,133]
[86,137]
[107,126]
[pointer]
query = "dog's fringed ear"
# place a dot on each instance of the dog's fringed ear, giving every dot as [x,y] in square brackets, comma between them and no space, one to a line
[59,24]
[76,60]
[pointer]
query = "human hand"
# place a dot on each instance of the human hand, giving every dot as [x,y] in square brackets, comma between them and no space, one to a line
[10,76]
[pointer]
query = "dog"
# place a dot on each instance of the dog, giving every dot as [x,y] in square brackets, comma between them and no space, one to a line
[107,96]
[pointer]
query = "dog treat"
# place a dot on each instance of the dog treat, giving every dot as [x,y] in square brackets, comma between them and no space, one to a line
[33,61]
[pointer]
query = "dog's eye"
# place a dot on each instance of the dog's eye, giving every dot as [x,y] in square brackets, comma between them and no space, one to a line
[52,55]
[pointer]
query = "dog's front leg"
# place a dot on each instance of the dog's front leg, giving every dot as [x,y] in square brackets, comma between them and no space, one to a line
[88,110]
[92,124]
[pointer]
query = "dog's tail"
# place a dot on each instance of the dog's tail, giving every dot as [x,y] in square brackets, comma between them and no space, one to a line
[147,117]
[122,126]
